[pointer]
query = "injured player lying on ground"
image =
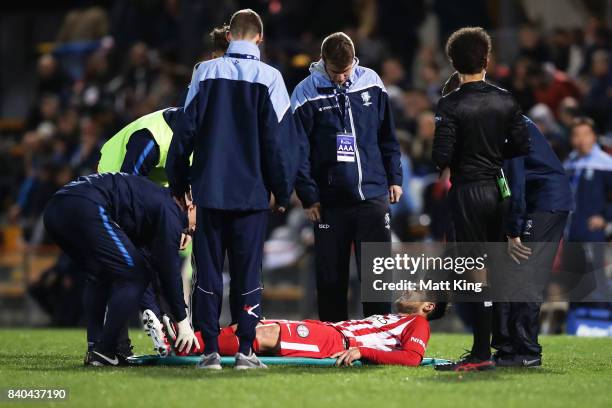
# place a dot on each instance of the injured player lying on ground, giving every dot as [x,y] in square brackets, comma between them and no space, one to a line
[397,339]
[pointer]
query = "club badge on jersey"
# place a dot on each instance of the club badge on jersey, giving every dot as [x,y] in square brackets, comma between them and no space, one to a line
[345,147]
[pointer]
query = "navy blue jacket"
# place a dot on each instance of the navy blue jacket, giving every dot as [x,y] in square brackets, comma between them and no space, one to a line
[239,127]
[148,215]
[318,107]
[591,180]
[538,182]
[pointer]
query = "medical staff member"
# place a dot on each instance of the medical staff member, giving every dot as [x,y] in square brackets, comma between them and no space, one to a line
[350,170]
[238,125]
[101,221]
[141,148]
[539,207]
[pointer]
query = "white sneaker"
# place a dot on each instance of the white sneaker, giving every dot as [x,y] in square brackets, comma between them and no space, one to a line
[154,329]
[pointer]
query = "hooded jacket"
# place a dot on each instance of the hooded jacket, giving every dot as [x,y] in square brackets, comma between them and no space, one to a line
[322,111]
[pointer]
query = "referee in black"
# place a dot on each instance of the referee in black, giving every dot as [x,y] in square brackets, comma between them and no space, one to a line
[537,214]
[477,127]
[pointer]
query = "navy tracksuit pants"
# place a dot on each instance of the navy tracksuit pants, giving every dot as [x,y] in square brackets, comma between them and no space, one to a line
[240,235]
[116,272]
[516,324]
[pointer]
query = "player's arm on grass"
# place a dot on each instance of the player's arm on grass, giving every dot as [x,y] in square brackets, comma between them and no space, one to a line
[141,155]
[414,341]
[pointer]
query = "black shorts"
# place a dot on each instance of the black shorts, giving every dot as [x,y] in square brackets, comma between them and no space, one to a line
[477,212]
[478,218]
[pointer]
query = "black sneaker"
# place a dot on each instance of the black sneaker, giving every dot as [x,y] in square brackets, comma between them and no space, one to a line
[99,359]
[515,360]
[503,359]
[468,363]
[531,361]
[123,351]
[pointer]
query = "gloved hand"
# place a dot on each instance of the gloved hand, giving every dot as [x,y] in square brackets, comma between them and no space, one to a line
[186,338]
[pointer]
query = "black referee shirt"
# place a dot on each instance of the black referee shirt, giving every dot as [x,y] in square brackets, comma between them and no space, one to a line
[477,127]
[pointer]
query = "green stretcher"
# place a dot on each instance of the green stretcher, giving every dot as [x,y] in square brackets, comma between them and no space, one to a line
[151,360]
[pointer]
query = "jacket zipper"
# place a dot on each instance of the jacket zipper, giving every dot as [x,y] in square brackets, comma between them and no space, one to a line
[348,101]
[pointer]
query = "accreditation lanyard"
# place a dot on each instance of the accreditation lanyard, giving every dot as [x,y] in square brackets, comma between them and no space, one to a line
[342,108]
[346,146]
[243,56]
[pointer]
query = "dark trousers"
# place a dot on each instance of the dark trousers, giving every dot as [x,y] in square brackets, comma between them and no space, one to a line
[516,324]
[240,235]
[149,301]
[477,214]
[340,228]
[116,272]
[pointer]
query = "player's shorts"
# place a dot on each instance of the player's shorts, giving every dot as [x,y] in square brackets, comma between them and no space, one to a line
[309,338]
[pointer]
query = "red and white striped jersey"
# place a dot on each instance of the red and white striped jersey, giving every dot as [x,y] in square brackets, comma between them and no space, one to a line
[381,339]
[386,332]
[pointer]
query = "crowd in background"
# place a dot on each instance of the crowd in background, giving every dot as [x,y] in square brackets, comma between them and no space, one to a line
[135,60]
[112,65]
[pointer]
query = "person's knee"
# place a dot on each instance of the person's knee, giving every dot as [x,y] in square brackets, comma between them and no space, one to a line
[268,337]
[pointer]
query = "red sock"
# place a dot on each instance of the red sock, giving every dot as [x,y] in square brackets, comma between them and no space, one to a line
[228,342]
[255,346]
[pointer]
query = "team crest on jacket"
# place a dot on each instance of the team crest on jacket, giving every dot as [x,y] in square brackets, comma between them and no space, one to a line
[528,227]
[365,98]
[302,331]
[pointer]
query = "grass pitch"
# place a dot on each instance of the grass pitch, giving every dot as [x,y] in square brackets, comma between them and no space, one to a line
[576,372]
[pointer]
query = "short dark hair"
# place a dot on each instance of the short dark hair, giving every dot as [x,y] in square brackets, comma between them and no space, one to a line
[439,311]
[468,49]
[582,120]
[245,23]
[440,301]
[338,50]
[218,38]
